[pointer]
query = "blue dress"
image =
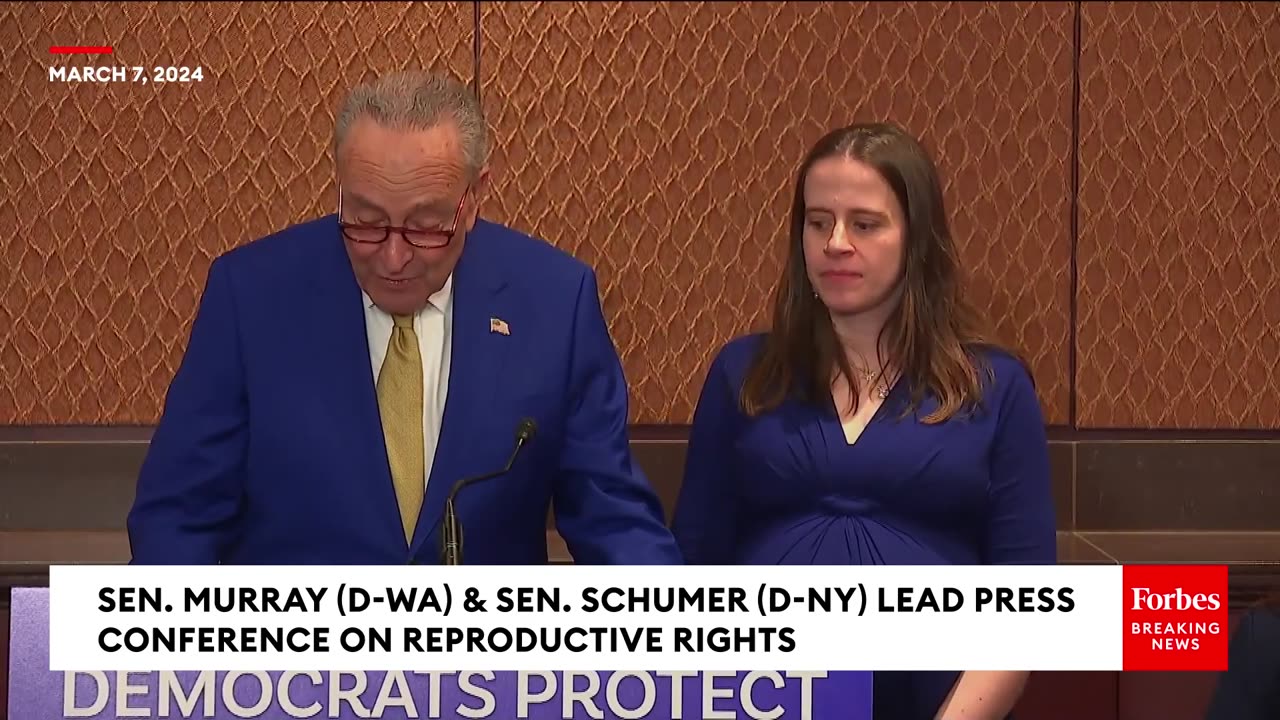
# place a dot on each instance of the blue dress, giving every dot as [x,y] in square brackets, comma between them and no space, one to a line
[786,488]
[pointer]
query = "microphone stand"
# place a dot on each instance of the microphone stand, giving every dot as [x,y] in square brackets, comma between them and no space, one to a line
[451,528]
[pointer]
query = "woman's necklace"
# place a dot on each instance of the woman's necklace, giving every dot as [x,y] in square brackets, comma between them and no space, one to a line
[875,377]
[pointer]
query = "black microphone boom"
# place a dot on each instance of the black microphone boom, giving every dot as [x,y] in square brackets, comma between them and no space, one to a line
[451,529]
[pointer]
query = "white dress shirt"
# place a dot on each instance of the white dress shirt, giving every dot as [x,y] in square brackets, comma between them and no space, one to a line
[434,327]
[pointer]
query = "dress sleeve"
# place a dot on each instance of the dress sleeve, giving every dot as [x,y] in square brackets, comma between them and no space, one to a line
[1021,526]
[705,521]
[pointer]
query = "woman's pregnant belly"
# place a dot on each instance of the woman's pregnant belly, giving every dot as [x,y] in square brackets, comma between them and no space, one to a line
[828,536]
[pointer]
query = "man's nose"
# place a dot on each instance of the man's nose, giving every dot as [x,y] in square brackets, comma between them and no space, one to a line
[397,251]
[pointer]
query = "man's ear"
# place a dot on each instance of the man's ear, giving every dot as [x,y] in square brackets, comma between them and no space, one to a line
[479,193]
[482,184]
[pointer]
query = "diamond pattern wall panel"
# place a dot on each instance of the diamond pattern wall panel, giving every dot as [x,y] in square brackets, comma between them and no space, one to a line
[115,197]
[1179,295]
[658,142]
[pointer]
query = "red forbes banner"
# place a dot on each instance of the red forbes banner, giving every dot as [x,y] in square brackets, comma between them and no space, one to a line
[1175,617]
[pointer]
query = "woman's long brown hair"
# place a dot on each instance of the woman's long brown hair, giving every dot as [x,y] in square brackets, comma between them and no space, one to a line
[931,335]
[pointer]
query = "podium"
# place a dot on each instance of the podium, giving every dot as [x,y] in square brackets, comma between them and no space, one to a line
[37,693]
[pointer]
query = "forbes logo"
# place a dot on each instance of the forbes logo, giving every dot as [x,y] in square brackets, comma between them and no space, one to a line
[1175,617]
[1145,599]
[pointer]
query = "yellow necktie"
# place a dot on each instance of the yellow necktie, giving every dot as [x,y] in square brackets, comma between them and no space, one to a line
[400,404]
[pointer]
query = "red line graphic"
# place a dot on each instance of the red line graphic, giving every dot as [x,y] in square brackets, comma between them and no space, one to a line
[80,49]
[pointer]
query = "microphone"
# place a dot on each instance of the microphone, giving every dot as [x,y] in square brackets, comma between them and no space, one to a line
[451,529]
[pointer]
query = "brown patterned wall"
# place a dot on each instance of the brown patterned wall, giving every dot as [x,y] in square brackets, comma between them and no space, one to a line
[130,190]
[656,141]
[1179,214]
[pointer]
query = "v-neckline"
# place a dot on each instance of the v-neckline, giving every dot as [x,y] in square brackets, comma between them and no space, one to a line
[875,417]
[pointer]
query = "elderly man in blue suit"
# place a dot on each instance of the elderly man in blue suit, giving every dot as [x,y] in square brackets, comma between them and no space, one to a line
[344,373]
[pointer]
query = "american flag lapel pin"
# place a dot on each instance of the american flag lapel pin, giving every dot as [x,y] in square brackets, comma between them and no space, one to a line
[498,325]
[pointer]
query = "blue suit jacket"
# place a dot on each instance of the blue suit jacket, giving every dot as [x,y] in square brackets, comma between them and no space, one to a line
[270,449]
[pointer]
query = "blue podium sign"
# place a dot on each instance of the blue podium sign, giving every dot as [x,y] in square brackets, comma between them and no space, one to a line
[37,693]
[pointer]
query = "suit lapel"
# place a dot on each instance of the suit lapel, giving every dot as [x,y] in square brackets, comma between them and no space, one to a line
[475,374]
[346,381]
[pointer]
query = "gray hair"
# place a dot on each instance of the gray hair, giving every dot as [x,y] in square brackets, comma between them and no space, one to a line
[418,101]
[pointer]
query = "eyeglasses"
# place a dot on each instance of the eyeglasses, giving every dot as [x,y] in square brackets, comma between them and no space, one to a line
[374,234]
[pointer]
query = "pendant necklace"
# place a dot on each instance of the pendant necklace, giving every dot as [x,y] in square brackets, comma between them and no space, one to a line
[882,388]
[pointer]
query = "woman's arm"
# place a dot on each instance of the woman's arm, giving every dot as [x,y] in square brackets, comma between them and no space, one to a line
[1021,528]
[705,518]
[983,695]
[1021,522]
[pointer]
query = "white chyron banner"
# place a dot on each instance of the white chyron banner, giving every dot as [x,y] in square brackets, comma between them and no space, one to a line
[585,618]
